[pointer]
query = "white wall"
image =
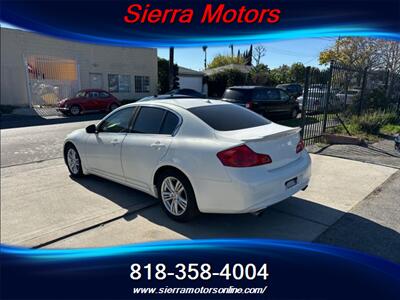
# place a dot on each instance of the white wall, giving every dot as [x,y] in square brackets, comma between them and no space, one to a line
[17,44]
[191,82]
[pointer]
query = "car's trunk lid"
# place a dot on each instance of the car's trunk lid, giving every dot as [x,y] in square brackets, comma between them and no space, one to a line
[278,141]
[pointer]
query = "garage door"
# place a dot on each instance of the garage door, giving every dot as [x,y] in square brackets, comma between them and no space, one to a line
[191,82]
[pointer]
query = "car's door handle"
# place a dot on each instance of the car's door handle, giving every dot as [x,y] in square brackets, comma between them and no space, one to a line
[115,142]
[157,145]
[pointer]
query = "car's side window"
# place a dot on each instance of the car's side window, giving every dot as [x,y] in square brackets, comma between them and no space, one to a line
[149,120]
[284,96]
[104,95]
[272,95]
[169,124]
[260,94]
[81,94]
[93,95]
[291,88]
[118,121]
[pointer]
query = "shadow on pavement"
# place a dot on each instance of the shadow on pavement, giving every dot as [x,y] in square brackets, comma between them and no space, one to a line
[115,192]
[16,121]
[294,218]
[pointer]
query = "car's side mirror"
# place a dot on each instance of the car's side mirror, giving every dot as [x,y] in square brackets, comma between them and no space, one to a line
[91,129]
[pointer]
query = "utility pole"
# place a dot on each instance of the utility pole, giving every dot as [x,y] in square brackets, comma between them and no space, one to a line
[171,68]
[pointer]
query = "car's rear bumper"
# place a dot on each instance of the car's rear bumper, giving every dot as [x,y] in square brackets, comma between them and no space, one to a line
[62,109]
[255,190]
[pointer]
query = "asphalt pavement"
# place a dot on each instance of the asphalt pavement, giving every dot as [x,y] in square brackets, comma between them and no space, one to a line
[348,203]
[29,144]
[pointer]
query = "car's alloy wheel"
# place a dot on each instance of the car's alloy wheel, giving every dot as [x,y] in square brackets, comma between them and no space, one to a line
[113,106]
[73,161]
[173,195]
[177,196]
[75,110]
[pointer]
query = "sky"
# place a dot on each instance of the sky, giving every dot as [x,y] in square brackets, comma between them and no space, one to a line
[278,53]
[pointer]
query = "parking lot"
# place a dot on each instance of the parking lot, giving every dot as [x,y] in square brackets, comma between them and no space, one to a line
[42,206]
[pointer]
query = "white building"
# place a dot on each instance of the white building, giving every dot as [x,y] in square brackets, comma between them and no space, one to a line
[39,70]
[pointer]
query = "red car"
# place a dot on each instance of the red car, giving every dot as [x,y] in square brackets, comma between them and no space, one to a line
[88,100]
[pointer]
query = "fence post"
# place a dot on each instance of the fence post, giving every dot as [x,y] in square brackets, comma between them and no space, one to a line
[362,95]
[305,100]
[328,95]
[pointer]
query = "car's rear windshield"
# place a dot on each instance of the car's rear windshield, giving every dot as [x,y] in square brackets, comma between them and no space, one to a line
[227,117]
[239,95]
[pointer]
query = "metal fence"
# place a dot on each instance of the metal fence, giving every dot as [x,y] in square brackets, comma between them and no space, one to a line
[50,79]
[339,92]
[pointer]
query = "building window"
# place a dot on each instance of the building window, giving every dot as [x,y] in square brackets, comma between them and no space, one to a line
[142,84]
[119,83]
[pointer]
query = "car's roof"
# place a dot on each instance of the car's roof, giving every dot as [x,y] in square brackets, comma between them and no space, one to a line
[92,90]
[288,84]
[250,87]
[163,97]
[185,103]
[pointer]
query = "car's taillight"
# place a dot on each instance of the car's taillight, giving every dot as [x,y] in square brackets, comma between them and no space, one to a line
[300,146]
[249,105]
[242,156]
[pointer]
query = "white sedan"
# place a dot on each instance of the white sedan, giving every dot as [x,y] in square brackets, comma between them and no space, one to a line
[195,155]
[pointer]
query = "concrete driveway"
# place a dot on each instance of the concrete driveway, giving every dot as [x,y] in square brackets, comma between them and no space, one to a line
[42,206]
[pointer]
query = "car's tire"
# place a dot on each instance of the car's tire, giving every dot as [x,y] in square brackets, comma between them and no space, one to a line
[73,160]
[294,113]
[65,113]
[113,106]
[75,110]
[177,196]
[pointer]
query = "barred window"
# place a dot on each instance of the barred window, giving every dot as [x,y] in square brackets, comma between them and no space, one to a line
[119,83]
[142,84]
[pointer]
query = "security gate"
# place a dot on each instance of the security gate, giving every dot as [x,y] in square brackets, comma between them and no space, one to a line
[51,79]
[333,95]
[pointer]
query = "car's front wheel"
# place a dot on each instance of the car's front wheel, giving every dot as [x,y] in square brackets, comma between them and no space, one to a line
[75,110]
[73,160]
[113,106]
[177,196]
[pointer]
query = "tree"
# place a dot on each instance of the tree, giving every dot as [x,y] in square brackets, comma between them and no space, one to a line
[353,51]
[218,82]
[259,52]
[223,60]
[260,75]
[205,56]
[390,55]
[163,69]
[231,47]
[281,74]
[297,72]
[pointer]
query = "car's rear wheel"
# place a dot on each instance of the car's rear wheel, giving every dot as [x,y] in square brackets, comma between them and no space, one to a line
[294,113]
[177,196]
[75,110]
[73,160]
[113,106]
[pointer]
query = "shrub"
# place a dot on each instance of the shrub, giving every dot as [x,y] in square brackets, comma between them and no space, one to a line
[372,122]
[217,83]
[373,100]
